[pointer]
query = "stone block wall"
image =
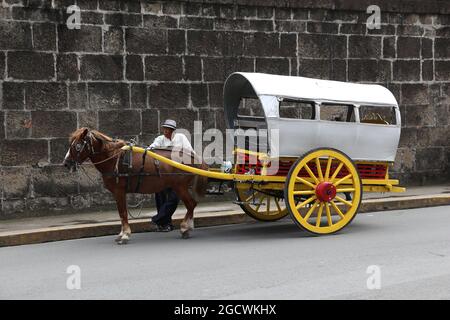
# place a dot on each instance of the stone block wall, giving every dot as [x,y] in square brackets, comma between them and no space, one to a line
[135,62]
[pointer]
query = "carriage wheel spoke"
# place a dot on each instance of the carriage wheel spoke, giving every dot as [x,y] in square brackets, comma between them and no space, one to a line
[260,202]
[309,184]
[345,190]
[327,171]
[327,207]
[319,215]
[311,174]
[319,169]
[342,180]
[304,192]
[268,205]
[344,201]
[278,204]
[339,212]
[301,205]
[336,171]
[311,210]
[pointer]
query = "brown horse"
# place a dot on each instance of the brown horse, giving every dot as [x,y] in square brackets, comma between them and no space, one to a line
[119,178]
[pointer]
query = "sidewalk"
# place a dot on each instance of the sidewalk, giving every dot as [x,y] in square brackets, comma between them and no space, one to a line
[81,225]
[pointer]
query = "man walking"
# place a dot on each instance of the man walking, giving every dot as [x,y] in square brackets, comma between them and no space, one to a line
[167,200]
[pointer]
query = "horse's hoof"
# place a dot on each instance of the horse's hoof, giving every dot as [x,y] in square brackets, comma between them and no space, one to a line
[122,241]
[185,235]
[118,239]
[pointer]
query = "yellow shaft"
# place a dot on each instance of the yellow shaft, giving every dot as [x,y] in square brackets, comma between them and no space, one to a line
[205,173]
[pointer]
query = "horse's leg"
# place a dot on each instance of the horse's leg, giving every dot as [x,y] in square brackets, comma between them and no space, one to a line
[119,206]
[119,236]
[188,222]
[124,235]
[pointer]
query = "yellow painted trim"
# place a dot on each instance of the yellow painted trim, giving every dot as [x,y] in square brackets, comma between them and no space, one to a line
[254,153]
[398,189]
[383,189]
[380,181]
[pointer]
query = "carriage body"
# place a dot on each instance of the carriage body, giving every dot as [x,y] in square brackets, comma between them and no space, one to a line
[358,124]
[371,142]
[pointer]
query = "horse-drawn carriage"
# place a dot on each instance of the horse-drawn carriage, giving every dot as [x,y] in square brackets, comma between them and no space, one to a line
[326,142]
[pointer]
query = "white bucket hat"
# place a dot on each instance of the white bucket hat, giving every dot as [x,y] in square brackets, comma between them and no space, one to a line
[170,124]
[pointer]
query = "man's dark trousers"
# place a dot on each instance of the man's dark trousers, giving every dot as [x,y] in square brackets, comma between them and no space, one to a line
[166,204]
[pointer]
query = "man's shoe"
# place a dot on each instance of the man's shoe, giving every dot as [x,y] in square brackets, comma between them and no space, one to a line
[165,228]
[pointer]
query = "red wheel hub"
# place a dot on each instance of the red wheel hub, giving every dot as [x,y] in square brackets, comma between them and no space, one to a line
[325,191]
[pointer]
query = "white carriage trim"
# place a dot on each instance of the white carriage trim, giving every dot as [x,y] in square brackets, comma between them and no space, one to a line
[361,141]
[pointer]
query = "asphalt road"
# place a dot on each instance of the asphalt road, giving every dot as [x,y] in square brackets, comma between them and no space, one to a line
[410,248]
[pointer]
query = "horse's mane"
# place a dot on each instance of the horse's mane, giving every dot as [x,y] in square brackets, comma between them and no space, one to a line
[101,136]
[77,134]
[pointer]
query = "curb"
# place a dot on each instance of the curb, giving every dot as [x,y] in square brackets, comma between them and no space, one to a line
[34,236]
[402,203]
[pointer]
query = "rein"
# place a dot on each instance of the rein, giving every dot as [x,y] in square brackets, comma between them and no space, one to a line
[109,158]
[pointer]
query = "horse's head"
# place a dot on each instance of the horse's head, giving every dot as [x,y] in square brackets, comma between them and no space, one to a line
[82,146]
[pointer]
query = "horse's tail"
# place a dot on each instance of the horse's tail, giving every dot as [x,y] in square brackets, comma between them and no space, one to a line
[200,183]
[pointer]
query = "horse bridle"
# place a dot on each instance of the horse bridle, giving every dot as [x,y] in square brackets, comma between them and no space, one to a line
[81,145]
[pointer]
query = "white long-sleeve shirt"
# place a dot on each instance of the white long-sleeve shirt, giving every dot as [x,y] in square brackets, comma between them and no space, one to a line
[178,141]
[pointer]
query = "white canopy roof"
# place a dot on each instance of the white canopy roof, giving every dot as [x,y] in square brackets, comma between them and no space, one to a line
[316,89]
[243,84]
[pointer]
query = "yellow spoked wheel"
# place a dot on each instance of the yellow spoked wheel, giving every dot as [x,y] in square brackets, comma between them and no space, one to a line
[261,206]
[323,191]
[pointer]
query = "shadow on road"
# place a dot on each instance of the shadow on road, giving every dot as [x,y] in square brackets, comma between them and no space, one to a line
[280,230]
[284,229]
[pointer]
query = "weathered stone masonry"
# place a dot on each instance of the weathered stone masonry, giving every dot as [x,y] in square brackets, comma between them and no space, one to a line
[136,62]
